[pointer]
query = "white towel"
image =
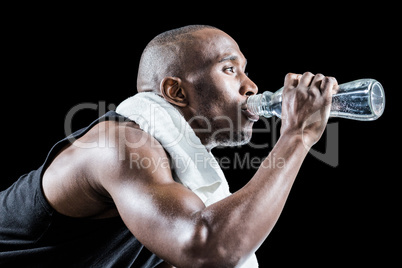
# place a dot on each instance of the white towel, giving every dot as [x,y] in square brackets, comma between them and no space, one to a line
[192,165]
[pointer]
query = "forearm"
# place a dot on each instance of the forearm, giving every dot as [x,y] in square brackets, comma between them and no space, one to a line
[241,222]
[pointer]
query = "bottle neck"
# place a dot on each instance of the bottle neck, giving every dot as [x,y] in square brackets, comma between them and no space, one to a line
[260,104]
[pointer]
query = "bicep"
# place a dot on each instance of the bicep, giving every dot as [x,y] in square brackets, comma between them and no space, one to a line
[158,215]
[157,210]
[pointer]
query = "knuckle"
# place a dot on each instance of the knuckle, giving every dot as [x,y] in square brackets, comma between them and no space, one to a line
[333,79]
[291,80]
[291,76]
[319,76]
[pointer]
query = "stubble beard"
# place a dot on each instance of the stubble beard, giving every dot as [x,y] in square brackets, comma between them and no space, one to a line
[221,130]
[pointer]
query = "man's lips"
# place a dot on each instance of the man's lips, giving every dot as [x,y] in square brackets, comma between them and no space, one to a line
[249,115]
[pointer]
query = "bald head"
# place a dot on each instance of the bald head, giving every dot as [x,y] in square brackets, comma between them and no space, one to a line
[200,70]
[167,55]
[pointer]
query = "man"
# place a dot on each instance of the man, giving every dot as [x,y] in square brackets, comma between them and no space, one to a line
[91,206]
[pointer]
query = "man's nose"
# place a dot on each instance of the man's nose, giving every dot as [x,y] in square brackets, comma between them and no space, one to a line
[248,87]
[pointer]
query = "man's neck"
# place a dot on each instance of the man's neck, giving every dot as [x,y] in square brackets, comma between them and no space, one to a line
[200,127]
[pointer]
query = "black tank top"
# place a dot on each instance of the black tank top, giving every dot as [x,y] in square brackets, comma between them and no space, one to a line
[33,234]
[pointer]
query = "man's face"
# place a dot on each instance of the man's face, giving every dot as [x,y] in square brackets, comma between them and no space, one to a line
[219,88]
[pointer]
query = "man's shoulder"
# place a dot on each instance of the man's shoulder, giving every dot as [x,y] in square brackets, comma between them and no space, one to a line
[124,138]
[110,155]
[121,148]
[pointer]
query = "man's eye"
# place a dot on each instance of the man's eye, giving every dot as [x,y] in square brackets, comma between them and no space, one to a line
[229,69]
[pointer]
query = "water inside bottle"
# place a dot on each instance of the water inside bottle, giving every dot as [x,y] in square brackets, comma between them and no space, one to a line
[351,102]
[359,104]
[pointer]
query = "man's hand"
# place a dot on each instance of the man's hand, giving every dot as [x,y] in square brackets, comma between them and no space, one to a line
[306,104]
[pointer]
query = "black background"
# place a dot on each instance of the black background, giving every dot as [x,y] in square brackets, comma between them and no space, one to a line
[56,57]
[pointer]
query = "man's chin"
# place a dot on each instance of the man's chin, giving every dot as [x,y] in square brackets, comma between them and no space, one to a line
[238,139]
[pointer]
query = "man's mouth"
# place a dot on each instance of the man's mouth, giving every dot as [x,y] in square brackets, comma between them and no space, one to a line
[249,115]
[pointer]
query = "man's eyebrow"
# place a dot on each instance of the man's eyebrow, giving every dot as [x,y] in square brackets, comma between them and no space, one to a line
[232,58]
[229,58]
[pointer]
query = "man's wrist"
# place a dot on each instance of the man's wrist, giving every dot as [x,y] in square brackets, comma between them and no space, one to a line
[295,140]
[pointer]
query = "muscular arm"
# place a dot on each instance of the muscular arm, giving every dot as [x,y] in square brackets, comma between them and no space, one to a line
[172,222]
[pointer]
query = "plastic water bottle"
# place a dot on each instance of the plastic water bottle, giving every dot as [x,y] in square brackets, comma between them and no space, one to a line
[362,100]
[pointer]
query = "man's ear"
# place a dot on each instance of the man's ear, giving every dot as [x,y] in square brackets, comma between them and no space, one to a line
[173,92]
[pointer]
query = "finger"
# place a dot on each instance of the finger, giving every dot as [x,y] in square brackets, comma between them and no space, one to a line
[316,84]
[327,86]
[306,79]
[335,88]
[291,80]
